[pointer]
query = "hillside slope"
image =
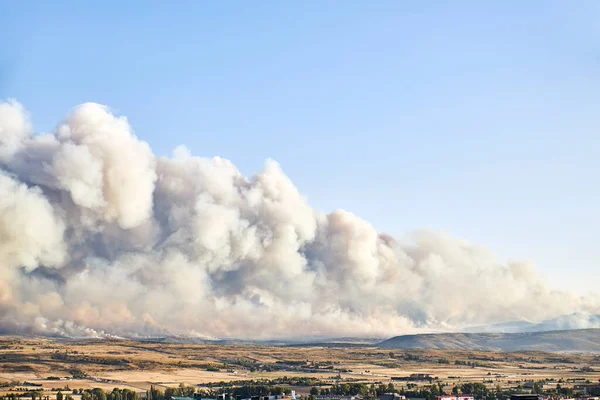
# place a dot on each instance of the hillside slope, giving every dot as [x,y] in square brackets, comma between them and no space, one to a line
[583,340]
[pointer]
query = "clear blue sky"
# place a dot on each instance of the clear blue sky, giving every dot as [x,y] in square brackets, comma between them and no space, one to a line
[478,118]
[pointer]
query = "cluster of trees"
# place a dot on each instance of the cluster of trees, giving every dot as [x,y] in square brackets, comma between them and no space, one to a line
[429,392]
[411,357]
[405,356]
[78,373]
[352,389]
[478,390]
[538,388]
[295,381]
[99,394]
[246,389]
[35,395]
[181,390]
[473,364]
[286,381]
[87,394]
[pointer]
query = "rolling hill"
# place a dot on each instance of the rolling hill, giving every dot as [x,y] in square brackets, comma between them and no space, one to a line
[582,340]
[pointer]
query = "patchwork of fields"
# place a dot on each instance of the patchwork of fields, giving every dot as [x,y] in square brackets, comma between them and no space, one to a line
[58,363]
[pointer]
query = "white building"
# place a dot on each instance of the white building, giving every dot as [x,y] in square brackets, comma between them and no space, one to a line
[461,397]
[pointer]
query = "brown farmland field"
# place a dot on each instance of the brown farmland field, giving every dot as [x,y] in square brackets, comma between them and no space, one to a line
[56,363]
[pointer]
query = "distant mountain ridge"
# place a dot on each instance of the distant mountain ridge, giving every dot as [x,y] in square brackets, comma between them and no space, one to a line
[578,340]
[576,332]
[561,323]
[317,342]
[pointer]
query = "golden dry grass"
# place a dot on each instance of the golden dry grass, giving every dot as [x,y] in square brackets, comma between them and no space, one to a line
[135,365]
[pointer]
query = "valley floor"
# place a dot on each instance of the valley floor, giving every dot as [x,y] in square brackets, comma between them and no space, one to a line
[57,364]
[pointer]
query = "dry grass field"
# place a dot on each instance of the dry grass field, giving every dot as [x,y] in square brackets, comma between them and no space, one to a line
[137,365]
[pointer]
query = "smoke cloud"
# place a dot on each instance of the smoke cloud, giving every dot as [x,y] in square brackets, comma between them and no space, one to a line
[101,237]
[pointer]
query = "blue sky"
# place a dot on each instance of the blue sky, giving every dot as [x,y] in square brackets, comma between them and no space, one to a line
[475,118]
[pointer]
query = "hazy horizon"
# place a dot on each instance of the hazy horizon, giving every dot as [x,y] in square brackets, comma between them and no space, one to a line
[328,169]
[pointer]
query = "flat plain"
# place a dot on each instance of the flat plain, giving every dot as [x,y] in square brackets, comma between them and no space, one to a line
[58,363]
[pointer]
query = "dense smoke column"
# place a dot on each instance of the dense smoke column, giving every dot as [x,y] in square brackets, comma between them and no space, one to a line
[100,237]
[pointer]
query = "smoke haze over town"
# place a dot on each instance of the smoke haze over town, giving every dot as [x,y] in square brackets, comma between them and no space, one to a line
[102,237]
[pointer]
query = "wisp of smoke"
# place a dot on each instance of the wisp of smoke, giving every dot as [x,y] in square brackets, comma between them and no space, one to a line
[101,237]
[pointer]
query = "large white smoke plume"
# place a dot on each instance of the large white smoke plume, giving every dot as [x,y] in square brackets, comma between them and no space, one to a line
[98,236]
